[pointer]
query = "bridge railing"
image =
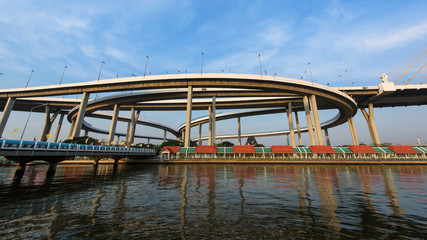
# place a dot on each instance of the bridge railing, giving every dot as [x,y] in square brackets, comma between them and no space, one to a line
[51,148]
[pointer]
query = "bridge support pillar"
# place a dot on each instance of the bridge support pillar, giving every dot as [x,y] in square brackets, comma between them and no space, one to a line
[210,125]
[328,142]
[96,161]
[316,121]
[187,139]
[113,125]
[52,168]
[81,114]
[73,124]
[47,124]
[134,120]
[309,124]
[20,170]
[287,139]
[58,128]
[6,113]
[127,133]
[371,124]
[291,124]
[298,129]
[86,133]
[116,162]
[353,131]
[200,135]
[239,132]
[213,120]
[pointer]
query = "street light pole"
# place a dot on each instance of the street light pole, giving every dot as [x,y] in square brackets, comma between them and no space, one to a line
[65,67]
[145,68]
[201,68]
[25,127]
[260,69]
[311,75]
[29,78]
[99,76]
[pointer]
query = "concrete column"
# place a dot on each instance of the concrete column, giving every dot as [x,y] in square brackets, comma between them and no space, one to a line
[353,131]
[58,128]
[46,127]
[134,120]
[200,135]
[210,125]
[213,120]
[6,113]
[164,136]
[287,139]
[188,118]
[366,116]
[291,124]
[52,168]
[239,132]
[118,140]
[309,124]
[148,141]
[127,132]
[86,133]
[73,124]
[316,121]
[328,142]
[373,126]
[81,114]
[298,129]
[113,124]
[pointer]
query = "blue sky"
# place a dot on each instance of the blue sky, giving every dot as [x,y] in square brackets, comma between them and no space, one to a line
[365,38]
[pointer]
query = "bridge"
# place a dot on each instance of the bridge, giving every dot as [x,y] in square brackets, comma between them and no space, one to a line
[22,152]
[207,91]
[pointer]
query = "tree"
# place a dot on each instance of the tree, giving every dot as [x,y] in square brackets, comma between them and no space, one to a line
[225,144]
[83,140]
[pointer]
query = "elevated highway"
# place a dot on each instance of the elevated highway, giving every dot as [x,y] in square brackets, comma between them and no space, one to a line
[208,92]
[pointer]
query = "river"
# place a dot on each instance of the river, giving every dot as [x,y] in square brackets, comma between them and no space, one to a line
[208,201]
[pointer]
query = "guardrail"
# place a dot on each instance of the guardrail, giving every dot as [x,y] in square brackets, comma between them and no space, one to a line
[17,148]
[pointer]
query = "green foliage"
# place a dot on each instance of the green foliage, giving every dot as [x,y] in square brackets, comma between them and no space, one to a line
[83,140]
[172,143]
[225,144]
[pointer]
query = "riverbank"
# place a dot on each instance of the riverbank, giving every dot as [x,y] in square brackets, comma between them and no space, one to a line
[297,161]
[242,161]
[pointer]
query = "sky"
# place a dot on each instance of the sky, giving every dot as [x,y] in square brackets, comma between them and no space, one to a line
[356,39]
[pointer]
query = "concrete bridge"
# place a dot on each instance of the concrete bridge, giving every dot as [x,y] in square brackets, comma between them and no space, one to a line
[23,152]
[209,92]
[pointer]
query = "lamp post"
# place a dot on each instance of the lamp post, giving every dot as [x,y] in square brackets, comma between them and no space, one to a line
[260,69]
[201,68]
[29,78]
[145,68]
[99,76]
[29,115]
[311,75]
[65,67]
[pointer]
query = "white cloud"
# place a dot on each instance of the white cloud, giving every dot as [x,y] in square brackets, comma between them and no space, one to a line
[275,35]
[395,37]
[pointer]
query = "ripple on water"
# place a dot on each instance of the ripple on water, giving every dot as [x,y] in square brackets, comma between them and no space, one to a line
[214,201]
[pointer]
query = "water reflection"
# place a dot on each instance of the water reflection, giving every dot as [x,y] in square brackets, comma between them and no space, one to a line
[215,201]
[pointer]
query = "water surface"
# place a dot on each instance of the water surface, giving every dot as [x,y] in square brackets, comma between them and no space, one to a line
[214,202]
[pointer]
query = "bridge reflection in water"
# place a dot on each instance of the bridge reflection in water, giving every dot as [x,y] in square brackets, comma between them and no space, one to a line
[216,201]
